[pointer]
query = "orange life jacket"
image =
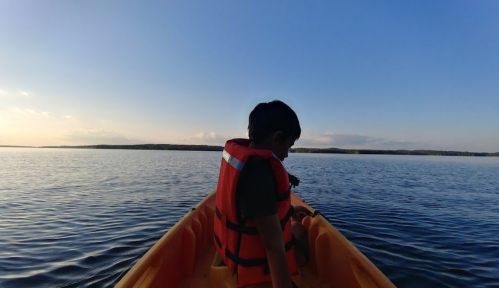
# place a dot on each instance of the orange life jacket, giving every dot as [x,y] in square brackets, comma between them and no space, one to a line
[237,240]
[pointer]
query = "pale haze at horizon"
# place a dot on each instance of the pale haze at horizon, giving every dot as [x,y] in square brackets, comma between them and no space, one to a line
[359,74]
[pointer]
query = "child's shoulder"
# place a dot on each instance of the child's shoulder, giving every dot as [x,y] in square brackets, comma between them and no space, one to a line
[256,163]
[257,167]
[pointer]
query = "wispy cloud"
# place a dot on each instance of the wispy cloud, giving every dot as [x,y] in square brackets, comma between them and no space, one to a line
[31,112]
[69,117]
[203,135]
[11,94]
[318,140]
[94,136]
[24,93]
[209,138]
[355,141]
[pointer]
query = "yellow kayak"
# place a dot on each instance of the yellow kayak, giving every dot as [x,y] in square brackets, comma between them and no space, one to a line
[186,257]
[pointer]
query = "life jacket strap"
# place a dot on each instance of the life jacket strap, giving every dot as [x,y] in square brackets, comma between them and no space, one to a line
[283,196]
[251,230]
[248,262]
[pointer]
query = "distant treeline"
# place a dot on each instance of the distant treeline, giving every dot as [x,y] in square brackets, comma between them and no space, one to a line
[294,150]
[148,147]
[393,152]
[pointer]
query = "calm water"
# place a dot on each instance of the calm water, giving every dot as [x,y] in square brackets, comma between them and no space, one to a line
[82,218]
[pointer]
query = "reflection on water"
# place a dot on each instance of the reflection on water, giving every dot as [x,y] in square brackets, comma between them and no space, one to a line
[81,218]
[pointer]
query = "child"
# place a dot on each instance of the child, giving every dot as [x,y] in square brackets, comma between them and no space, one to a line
[253,230]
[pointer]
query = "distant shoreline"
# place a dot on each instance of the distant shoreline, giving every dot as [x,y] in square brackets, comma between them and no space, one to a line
[294,150]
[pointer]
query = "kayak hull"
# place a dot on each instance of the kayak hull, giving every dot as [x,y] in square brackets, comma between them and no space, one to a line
[186,257]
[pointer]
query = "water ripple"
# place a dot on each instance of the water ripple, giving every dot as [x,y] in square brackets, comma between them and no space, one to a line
[82,218]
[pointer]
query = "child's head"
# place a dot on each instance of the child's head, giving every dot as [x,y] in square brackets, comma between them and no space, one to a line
[274,125]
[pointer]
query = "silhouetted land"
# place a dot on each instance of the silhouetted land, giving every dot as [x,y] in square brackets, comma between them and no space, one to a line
[294,150]
[394,152]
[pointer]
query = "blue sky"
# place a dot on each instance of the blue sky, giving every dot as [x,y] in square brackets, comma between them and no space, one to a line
[359,74]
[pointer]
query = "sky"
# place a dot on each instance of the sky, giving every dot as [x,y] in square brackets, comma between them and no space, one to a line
[359,74]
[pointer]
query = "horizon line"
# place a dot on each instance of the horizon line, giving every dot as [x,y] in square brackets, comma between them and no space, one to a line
[221,146]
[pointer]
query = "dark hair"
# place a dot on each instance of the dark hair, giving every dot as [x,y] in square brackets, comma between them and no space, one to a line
[268,118]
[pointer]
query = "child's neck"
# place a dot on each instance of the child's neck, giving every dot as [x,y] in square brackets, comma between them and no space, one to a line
[262,145]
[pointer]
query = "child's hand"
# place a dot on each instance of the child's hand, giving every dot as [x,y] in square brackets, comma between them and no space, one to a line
[300,213]
[293,180]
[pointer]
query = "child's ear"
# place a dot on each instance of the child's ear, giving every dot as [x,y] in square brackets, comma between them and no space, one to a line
[278,137]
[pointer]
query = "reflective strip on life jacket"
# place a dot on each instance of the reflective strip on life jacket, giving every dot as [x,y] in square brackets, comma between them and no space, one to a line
[233,161]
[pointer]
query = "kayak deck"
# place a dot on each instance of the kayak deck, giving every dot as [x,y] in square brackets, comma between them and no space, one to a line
[186,257]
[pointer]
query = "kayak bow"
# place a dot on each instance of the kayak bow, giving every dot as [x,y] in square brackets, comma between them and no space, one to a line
[186,257]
